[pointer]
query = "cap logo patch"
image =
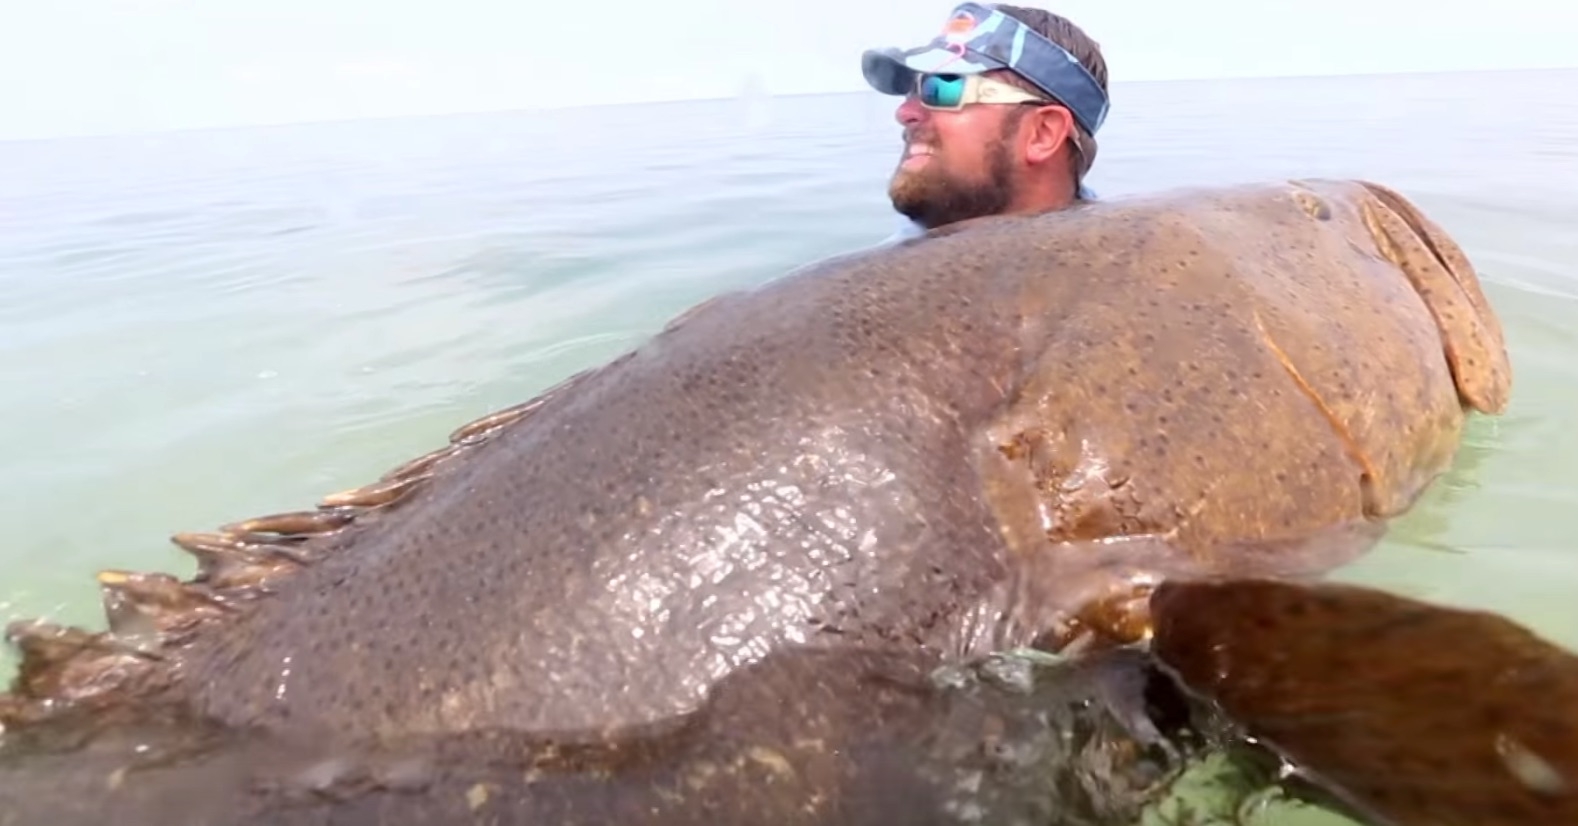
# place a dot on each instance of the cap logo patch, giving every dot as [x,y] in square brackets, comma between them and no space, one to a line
[959,27]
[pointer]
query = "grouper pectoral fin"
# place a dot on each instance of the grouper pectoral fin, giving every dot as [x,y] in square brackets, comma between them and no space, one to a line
[1471,334]
[1410,712]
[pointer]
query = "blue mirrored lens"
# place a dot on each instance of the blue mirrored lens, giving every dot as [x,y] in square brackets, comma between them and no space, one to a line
[941,90]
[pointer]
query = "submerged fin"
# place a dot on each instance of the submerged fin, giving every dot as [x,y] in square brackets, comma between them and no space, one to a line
[146,609]
[232,565]
[62,663]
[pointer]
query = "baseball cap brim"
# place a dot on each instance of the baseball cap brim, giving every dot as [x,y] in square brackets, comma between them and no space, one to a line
[892,71]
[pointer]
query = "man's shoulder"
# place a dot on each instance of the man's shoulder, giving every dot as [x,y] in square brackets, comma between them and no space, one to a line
[907,230]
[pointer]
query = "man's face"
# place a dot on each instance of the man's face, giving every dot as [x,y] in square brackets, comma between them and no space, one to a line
[956,164]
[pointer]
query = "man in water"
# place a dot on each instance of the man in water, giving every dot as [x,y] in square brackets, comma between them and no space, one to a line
[1000,115]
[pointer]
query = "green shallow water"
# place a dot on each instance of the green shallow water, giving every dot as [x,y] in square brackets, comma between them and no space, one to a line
[204,326]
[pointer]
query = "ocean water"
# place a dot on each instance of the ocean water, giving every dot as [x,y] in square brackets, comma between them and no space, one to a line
[203,326]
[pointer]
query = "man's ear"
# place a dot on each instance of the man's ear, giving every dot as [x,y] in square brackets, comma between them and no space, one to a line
[1047,129]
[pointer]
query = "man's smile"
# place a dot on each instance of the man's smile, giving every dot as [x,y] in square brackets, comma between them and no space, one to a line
[916,154]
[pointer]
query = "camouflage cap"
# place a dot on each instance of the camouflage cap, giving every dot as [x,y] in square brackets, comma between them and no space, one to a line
[979,39]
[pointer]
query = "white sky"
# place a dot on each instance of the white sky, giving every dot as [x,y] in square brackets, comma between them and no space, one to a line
[106,66]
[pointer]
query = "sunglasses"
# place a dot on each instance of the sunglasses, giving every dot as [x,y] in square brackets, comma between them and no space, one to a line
[952,92]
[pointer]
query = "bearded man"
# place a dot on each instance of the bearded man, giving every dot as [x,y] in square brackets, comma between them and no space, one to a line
[1000,115]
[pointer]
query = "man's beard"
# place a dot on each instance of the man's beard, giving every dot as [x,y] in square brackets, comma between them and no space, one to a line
[930,197]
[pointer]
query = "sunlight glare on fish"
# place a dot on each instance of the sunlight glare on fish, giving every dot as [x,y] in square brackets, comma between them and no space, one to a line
[284,678]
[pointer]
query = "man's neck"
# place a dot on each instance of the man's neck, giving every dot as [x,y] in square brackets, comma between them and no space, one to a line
[1044,196]
[1036,206]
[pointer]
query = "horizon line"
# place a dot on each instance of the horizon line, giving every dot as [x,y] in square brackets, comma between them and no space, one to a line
[277,124]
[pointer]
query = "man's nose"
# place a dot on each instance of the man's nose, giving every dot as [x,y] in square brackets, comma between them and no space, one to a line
[910,111]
